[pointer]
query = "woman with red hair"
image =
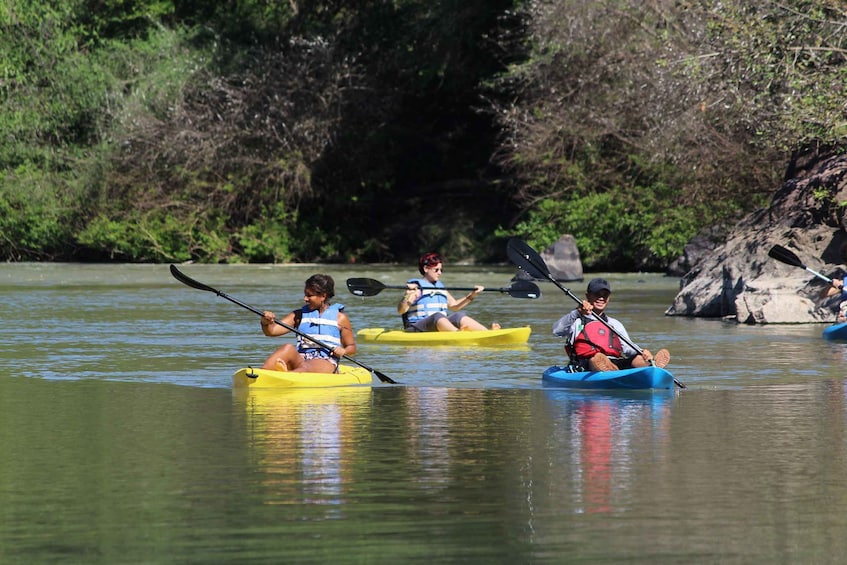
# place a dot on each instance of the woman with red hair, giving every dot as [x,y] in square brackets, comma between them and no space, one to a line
[427,305]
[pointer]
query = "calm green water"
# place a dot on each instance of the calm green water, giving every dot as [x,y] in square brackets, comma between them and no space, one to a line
[122,440]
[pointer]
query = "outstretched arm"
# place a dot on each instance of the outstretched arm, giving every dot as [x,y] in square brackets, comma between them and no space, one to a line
[454,304]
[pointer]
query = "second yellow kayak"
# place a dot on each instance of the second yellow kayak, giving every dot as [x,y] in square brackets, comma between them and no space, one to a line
[503,336]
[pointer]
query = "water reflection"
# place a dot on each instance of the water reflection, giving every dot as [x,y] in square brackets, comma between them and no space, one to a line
[428,425]
[605,434]
[304,440]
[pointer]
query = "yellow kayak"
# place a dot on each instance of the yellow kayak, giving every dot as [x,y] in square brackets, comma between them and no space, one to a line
[503,336]
[263,378]
[268,400]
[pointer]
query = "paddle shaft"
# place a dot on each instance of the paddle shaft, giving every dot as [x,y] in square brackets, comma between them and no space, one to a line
[372,287]
[188,281]
[462,288]
[817,274]
[532,258]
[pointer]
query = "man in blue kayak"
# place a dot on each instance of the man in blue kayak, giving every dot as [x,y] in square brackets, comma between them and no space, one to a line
[591,345]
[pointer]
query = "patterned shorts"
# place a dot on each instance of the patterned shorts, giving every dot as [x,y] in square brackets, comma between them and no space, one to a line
[319,354]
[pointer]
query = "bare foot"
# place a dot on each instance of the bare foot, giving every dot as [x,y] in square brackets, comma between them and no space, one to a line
[281,366]
[495,326]
[662,358]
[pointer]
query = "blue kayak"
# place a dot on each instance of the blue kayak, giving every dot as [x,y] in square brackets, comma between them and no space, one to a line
[836,332]
[644,377]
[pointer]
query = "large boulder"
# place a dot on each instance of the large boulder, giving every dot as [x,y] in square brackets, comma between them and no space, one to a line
[697,249]
[562,260]
[739,281]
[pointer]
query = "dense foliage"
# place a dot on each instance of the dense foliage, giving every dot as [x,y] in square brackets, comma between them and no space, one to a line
[171,130]
[638,123]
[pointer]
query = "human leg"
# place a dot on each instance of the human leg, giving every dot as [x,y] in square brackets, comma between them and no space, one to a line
[433,323]
[660,359]
[443,324]
[466,323]
[316,365]
[285,358]
[317,361]
[469,324]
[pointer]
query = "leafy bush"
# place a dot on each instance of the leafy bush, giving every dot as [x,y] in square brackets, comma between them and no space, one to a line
[37,214]
[612,231]
[701,101]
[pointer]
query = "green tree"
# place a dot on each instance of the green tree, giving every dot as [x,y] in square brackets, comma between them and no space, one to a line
[691,105]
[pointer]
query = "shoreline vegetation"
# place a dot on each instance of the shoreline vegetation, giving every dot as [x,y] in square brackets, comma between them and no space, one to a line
[291,132]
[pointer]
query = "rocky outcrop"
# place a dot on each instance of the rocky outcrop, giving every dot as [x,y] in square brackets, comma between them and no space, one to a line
[562,260]
[697,249]
[738,281]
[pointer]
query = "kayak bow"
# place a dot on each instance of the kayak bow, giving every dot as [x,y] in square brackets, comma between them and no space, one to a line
[836,332]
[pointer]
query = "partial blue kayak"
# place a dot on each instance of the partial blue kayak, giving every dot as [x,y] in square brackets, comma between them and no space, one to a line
[644,377]
[836,332]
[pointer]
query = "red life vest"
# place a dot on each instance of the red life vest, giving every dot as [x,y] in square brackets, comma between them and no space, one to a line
[595,337]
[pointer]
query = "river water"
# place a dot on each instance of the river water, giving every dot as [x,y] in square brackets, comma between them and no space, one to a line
[122,440]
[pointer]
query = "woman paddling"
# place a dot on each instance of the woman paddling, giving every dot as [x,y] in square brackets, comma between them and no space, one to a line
[326,322]
[426,305]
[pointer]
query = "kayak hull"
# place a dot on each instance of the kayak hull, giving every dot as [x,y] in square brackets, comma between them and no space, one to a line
[641,378]
[505,336]
[264,378]
[836,332]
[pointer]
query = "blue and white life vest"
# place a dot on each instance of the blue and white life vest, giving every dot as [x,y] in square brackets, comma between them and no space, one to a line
[432,301]
[322,327]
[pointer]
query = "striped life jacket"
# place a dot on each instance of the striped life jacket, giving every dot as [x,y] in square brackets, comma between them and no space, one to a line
[432,301]
[323,328]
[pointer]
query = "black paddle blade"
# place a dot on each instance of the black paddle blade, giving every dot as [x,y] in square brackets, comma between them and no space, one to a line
[188,281]
[384,378]
[525,257]
[364,287]
[524,289]
[786,256]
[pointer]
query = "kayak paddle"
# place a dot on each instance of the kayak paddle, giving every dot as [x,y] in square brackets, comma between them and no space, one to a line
[372,287]
[788,257]
[186,280]
[525,257]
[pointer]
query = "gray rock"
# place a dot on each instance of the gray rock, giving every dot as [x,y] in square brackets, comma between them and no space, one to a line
[738,281]
[697,249]
[562,258]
